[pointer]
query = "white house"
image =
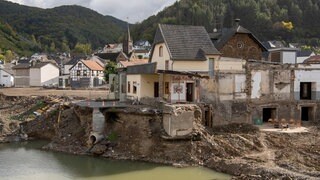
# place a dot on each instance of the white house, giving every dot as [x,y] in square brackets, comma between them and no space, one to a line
[44,74]
[6,77]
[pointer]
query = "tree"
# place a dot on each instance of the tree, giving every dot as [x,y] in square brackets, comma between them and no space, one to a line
[9,56]
[110,68]
[83,48]
[2,57]
[52,47]
[287,25]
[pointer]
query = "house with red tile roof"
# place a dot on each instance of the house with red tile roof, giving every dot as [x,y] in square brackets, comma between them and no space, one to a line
[86,73]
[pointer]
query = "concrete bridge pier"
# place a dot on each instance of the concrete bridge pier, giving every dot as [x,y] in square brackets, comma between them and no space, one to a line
[98,123]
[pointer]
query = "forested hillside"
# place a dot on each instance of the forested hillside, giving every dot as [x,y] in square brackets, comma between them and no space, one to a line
[289,20]
[61,28]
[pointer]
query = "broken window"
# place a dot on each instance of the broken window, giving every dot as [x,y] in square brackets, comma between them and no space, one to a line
[305,90]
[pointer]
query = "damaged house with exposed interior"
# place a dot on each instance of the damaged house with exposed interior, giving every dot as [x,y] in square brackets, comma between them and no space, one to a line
[230,72]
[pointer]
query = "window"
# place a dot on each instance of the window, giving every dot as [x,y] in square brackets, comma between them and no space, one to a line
[79,65]
[85,73]
[211,67]
[78,72]
[161,51]
[240,44]
[129,87]
[167,65]
[134,87]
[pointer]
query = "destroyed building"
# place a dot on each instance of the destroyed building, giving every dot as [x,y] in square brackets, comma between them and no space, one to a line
[185,67]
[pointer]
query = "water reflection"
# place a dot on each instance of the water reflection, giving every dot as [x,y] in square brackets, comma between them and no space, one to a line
[24,161]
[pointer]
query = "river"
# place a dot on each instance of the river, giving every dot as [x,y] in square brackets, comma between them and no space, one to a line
[25,161]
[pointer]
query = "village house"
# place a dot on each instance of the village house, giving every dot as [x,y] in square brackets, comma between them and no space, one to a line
[6,75]
[142,44]
[86,73]
[22,75]
[36,74]
[238,42]
[44,74]
[179,57]
[114,56]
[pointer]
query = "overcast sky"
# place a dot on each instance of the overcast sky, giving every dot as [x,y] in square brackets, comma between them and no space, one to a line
[136,10]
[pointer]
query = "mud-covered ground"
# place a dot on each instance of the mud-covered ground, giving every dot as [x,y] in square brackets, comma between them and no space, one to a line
[238,149]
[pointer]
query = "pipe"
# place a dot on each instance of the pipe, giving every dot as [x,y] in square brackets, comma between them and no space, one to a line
[95,138]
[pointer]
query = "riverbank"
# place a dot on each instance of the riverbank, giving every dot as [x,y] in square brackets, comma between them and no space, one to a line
[239,149]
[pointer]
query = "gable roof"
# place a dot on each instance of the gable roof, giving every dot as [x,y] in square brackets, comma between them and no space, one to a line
[304,53]
[133,62]
[109,56]
[73,61]
[39,65]
[93,65]
[7,68]
[21,66]
[220,39]
[185,42]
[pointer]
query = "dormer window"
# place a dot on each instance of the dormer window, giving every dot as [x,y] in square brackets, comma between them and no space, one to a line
[161,51]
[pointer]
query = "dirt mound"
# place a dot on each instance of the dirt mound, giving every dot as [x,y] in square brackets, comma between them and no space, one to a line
[235,128]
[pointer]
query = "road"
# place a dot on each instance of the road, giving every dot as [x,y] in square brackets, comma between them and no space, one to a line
[90,94]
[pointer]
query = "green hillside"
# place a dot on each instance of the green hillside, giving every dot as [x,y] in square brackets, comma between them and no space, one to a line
[63,27]
[268,19]
[11,40]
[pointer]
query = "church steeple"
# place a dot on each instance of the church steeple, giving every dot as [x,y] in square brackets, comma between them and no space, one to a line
[127,42]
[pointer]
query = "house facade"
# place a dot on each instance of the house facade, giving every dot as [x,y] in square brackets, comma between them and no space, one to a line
[6,78]
[44,74]
[86,73]
[238,42]
[180,57]
[22,75]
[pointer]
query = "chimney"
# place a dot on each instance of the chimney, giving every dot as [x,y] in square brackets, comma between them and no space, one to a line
[237,22]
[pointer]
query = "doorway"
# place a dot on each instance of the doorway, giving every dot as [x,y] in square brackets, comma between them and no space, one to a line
[156,89]
[306,113]
[269,113]
[189,94]
[305,90]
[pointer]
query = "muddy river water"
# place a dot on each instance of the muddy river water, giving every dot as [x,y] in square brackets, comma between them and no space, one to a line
[25,161]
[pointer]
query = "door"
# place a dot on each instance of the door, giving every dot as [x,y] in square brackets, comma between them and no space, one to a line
[156,89]
[189,93]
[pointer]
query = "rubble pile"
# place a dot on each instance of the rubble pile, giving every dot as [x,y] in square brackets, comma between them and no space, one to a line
[16,112]
[237,149]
